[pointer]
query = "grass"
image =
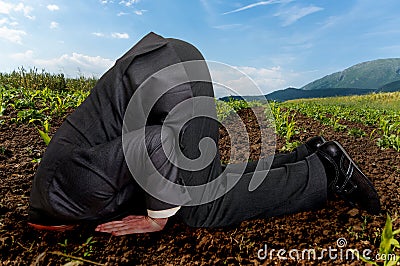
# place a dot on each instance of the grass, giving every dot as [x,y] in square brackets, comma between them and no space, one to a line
[36,98]
[35,79]
[385,101]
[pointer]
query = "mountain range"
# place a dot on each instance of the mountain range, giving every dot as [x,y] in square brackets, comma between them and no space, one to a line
[381,75]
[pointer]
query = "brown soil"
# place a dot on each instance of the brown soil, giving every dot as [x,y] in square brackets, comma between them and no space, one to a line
[181,245]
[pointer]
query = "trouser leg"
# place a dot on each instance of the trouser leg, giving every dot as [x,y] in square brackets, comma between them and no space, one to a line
[278,160]
[294,187]
[300,153]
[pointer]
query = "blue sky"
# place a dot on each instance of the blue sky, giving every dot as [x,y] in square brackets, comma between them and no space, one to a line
[279,43]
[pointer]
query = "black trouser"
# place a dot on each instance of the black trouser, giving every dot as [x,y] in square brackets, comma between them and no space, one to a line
[82,178]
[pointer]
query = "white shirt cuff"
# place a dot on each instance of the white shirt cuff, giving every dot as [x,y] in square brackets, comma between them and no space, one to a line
[163,213]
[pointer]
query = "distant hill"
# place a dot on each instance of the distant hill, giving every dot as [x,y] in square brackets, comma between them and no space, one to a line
[368,75]
[392,86]
[382,75]
[292,93]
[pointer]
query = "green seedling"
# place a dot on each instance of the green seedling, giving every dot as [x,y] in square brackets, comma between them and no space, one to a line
[290,146]
[2,103]
[387,248]
[2,150]
[64,245]
[86,248]
[238,104]
[44,134]
[356,132]
[290,127]
[336,125]
[224,110]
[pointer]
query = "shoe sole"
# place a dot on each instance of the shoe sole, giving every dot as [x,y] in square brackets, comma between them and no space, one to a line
[58,228]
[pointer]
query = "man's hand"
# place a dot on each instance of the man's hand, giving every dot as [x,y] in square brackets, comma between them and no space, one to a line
[133,225]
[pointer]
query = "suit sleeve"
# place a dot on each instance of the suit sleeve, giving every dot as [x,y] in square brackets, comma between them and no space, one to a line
[159,90]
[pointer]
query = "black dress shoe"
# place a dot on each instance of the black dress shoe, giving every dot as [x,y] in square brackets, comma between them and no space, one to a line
[313,143]
[346,179]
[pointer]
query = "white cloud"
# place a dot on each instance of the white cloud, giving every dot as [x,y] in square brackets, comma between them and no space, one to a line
[70,64]
[295,13]
[6,21]
[21,56]
[118,35]
[54,25]
[20,7]
[11,35]
[128,3]
[53,7]
[268,79]
[8,8]
[114,35]
[98,34]
[8,31]
[5,8]
[140,12]
[104,2]
[137,12]
[265,80]
[3,21]
[261,3]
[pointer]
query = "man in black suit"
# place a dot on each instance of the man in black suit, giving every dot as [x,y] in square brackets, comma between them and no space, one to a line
[115,160]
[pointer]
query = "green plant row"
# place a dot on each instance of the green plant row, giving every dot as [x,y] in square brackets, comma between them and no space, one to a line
[283,119]
[386,122]
[226,108]
[38,107]
[285,124]
[383,101]
[35,79]
[39,104]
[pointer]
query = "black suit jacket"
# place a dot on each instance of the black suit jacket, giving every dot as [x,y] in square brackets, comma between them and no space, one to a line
[83,174]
